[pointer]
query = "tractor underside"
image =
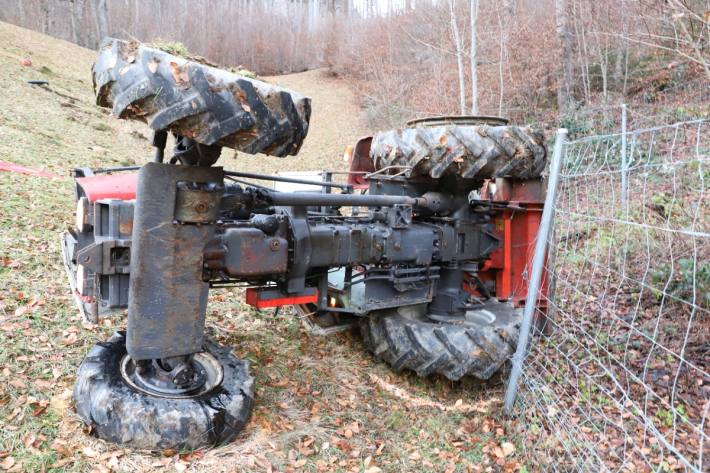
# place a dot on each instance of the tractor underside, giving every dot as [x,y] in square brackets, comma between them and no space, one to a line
[424,248]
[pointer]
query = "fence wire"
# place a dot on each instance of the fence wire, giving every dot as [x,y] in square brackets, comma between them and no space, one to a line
[617,375]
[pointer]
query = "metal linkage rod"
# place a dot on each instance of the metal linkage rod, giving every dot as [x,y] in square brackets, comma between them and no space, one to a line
[316,199]
[538,264]
[292,180]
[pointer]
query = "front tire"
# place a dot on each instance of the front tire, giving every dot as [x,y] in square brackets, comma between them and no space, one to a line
[206,104]
[120,413]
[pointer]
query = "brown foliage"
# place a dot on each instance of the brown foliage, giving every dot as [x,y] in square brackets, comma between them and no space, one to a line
[401,57]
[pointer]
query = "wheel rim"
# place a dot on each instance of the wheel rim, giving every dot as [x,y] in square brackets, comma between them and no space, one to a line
[473,317]
[458,120]
[208,374]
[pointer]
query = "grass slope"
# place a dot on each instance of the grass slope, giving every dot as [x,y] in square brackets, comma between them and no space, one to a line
[323,404]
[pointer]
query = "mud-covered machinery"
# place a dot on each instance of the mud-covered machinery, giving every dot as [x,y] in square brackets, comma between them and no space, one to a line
[423,248]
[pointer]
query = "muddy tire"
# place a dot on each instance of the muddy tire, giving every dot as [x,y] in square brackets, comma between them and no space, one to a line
[466,151]
[206,104]
[119,413]
[406,339]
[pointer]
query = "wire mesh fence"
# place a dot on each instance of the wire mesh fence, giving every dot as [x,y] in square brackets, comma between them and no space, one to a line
[617,375]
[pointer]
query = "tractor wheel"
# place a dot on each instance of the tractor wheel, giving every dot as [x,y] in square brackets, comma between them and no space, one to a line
[455,147]
[206,104]
[119,408]
[406,339]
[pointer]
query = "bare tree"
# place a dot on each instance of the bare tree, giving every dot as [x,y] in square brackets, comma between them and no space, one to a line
[21,13]
[101,19]
[502,47]
[474,56]
[622,55]
[47,17]
[458,47]
[564,35]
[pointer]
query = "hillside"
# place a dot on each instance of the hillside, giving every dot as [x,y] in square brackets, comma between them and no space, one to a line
[64,120]
[323,404]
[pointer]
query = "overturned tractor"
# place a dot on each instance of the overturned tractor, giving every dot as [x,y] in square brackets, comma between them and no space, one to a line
[428,261]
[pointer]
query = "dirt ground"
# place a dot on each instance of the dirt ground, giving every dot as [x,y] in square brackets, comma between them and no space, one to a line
[323,404]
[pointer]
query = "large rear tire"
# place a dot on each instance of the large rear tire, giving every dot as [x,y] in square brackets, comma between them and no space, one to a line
[206,104]
[118,411]
[406,339]
[466,151]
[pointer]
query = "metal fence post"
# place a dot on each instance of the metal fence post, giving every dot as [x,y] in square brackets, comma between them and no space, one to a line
[538,265]
[624,164]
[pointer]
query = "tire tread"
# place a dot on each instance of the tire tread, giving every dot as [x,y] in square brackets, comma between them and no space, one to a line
[465,151]
[211,106]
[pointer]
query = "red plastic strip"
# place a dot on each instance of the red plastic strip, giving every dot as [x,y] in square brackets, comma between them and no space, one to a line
[12,167]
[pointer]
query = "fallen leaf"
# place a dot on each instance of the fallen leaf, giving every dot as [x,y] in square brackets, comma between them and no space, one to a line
[70,339]
[179,74]
[61,448]
[39,408]
[7,463]
[28,439]
[62,462]
[60,402]
[90,452]
[18,383]
[507,448]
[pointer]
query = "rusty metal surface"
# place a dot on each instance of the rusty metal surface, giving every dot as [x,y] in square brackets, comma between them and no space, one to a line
[197,202]
[168,296]
[509,190]
[206,104]
[250,252]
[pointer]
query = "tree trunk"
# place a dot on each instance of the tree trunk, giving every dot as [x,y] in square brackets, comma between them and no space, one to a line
[619,69]
[101,16]
[44,6]
[502,47]
[474,57]
[458,45]
[21,13]
[564,91]
[73,21]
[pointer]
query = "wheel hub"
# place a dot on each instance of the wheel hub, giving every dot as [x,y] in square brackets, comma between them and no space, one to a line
[187,377]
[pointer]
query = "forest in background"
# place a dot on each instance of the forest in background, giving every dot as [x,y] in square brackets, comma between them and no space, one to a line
[547,61]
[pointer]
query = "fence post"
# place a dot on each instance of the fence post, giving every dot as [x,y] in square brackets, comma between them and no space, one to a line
[624,163]
[538,265]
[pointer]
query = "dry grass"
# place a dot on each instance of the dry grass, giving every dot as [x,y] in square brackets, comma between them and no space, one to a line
[323,404]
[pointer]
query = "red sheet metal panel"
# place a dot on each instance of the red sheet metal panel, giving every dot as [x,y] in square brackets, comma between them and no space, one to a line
[508,265]
[120,186]
[360,163]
